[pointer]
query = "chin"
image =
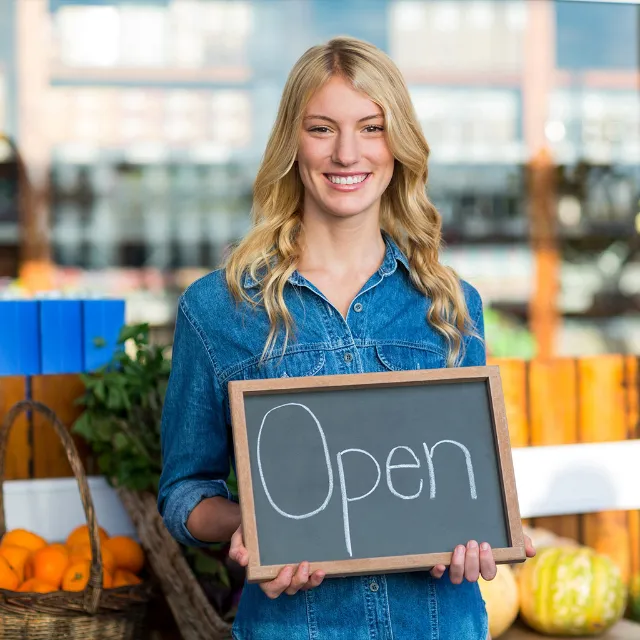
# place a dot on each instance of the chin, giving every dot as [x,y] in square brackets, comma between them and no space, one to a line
[344,209]
[346,212]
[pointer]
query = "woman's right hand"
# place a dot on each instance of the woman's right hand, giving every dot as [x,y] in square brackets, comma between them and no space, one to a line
[289,580]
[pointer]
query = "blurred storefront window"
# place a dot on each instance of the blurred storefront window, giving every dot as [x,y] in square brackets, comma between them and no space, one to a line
[142,123]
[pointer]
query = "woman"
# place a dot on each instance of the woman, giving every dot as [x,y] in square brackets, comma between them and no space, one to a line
[340,274]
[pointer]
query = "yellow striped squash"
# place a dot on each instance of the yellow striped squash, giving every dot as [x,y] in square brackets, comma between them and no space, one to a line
[571,592]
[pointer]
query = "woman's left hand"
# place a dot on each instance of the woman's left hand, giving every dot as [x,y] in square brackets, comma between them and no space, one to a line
[471,562]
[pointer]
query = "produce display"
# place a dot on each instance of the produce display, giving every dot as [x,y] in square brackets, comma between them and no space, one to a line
[543,538]
[501,597]
[568,591]
[29,563]
[634,598]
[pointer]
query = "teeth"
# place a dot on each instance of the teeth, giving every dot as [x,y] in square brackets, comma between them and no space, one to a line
[348,179]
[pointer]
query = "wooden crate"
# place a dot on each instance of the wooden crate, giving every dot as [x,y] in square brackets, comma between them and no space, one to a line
[553,401]
[34,450]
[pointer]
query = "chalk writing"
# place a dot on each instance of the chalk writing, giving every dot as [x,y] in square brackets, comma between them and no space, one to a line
[402,466]
[344,494]
[432,474]
[346,499]
[327,459]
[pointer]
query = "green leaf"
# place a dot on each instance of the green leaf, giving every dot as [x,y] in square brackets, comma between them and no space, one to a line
[114,398]
[138,333]
[105,429]
[82,426]
[206,564]
[99,390]
[100,343]
[104,461]
[120,442]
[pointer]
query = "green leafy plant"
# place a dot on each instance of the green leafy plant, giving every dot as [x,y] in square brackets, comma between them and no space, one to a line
[121,422]
[123,411]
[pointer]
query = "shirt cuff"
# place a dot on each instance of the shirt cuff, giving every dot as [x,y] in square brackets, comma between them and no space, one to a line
[182,502]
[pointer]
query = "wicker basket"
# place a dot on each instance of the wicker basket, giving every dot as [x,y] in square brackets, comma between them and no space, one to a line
[91,614]
[195,616]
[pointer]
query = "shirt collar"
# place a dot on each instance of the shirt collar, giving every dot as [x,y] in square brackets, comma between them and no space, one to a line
[392,256]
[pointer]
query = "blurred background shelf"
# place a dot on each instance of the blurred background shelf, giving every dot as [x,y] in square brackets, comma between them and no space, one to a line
[134,130]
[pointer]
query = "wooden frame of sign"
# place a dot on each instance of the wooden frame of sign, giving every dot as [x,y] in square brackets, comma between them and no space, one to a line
[239,390]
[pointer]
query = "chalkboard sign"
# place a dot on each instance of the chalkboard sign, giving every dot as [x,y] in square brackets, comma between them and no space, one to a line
[376,472]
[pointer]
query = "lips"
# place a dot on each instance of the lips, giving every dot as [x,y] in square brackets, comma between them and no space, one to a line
[346,179]
[350,182]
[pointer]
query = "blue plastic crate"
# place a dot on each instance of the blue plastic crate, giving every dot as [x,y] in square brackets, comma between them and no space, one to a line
[61,336]
[102,319]
[19,338]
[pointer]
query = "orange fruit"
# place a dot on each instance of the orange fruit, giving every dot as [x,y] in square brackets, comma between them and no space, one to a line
[23,538]
[17,558]
[29,571]
[80,535]
[36,586]
[124,578]
[127,552]
[28,568]
[77,575]
[82,552]
[49,564]
[8,578]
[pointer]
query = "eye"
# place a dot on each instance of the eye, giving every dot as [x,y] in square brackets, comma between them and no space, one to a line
[319,129]
[374,128]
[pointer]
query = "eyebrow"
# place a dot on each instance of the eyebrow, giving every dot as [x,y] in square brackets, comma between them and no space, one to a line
[328,119]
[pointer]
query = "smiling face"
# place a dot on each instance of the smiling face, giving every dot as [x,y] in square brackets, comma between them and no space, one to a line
[343,157]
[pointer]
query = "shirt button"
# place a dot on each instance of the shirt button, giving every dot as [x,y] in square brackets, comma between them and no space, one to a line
[348,357]
[357,307]
[374,586]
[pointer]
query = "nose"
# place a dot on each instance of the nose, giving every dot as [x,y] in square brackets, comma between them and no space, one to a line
[346,151]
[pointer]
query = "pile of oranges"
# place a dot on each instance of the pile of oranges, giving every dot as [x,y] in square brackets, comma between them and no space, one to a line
[29,563]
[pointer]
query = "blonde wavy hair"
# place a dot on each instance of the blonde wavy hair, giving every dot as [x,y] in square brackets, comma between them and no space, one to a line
[271,250]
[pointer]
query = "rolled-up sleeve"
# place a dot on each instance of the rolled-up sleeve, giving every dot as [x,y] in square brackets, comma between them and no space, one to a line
[194,434]
[474,347]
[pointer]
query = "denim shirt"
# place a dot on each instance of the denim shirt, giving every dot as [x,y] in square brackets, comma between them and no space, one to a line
[218,340]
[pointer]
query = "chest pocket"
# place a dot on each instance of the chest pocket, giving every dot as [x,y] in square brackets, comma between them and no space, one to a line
[291,365]
[396,357]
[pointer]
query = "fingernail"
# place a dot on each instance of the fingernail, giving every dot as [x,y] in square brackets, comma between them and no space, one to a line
[473,545]
[484,546]
[459,550]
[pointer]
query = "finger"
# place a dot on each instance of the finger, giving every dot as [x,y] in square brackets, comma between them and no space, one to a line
[456,570]
[237,550]
[438,571]
[274,588]
[315,580]
[299,579]
[240,555]
[488,568]
[472,562]
[529,549]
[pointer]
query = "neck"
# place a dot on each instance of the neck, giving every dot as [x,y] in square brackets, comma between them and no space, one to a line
[351,246]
